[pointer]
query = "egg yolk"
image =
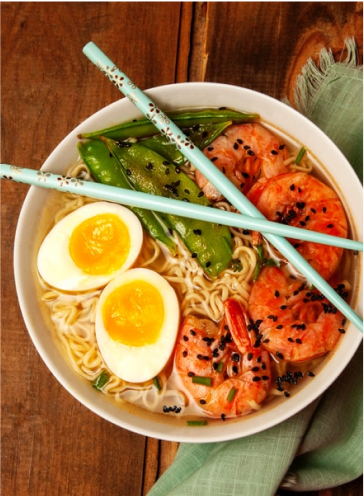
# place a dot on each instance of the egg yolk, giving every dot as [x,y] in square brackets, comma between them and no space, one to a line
[100,245]
[133,314]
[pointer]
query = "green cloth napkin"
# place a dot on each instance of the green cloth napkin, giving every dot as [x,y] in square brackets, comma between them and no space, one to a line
[321,446]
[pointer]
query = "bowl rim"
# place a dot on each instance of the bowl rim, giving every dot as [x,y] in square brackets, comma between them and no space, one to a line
[57,365]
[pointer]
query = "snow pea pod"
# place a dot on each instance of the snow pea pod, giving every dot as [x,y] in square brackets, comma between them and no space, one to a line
[151,173]
[107,170]
[200,134]
[144,127]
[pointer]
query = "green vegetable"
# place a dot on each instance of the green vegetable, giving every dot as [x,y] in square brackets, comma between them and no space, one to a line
[262,262]
[106,169]
[220,366]
[300,155]
[200,134]
[231,395]
[157,383]
[149,172]
[144,127]
[196,423]
[205,381]
[101,380]
[236,265]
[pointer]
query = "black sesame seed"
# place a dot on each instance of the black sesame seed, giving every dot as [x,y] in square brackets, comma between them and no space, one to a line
[194,255]
[235,369]
[276,293]
[203,402]
[208,264]
[274,152]
[250,356]
[185,353]
[210,148]
[214,159]
[251,153]
[200,194]
[197,231]
[256,378]
[279,355]
[185,338]
[310,374]
[236,146]
[223,416]
[298,341]
[265,378]
[286,394]
[280,326]
[192,332]
[191,374]
[292,187]
[342,331]
[330,225]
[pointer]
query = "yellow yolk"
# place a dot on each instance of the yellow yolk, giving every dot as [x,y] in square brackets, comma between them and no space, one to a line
[133,314]
[100,244]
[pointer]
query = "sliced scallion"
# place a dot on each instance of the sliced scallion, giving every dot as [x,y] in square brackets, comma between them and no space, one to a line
[101,380]
[205,381]
[231,394]
[195,423]
[157,383]
[300,155]
[220,366]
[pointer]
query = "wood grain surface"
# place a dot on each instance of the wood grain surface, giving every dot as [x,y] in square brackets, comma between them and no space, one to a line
[51,444]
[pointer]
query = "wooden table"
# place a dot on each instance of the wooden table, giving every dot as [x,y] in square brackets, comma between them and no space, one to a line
[52,445]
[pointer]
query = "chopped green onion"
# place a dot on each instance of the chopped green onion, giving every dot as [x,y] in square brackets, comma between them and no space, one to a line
[196,422]
[205,381]
[236,265]
[300,155]
[269,262]
[260,252]
[157,383]
[231,394]
[101,380]
[220,366]
[256,271]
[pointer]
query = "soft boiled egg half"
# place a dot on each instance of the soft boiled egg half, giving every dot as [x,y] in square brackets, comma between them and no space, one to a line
[90,246]
[137,319]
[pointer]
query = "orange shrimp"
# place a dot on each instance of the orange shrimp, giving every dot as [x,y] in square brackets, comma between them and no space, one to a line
[300,200]
[231,362]
[295,323]
[244,152]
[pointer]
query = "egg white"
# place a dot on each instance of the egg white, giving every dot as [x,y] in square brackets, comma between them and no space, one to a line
[54,261]
[139,363]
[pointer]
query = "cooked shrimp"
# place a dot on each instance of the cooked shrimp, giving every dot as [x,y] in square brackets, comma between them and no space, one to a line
[300,200]
[230,361]
[244,152]
[295,323]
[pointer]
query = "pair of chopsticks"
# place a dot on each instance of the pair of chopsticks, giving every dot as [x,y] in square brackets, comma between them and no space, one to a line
[161,204]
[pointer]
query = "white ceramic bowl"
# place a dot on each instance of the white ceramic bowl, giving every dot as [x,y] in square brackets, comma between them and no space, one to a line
[329,161]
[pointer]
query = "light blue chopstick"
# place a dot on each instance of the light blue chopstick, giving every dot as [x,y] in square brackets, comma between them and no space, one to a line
[213,174]
[161,204]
